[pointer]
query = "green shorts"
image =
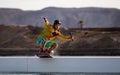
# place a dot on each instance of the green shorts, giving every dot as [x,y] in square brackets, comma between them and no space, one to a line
[48,43]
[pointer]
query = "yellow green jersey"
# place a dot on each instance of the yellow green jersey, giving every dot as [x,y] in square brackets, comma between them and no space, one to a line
[50,33]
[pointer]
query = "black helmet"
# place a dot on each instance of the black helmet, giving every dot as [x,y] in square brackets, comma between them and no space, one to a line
[57,22]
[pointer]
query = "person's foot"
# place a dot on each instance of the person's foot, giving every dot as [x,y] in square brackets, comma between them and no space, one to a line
[47,51]
[41,50]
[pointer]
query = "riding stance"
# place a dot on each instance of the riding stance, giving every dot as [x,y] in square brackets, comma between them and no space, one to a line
[48,34]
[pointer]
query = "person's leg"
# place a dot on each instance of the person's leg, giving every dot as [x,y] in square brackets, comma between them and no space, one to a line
[53,47]
[41,41]
[42,44]
[50,46]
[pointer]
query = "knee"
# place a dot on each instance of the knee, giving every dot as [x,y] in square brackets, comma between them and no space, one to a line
[55,45]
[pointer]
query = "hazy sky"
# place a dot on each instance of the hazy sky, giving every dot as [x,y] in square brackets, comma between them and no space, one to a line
[40,4]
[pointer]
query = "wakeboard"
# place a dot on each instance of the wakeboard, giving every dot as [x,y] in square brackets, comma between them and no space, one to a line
[44,55]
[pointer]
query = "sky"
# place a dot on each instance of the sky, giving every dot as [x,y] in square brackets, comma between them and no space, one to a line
[40,4]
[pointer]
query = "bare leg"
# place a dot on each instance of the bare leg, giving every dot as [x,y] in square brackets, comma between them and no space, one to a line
[42,45]
[53,47]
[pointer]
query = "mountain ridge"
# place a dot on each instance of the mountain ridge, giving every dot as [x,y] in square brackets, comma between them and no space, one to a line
[92,17]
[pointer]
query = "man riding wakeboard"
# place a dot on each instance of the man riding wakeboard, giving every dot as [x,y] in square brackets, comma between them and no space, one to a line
[48,34]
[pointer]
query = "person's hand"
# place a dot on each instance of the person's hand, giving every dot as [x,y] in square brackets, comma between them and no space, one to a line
[72,39]
[45,19]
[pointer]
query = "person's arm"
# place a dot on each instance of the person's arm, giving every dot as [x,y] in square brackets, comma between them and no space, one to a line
[63,37]
[46,22]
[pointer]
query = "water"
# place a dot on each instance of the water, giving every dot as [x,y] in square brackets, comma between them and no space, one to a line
[60,73]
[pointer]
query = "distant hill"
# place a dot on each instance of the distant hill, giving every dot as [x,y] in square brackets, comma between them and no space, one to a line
[26,36]
[18,36]
[92,17]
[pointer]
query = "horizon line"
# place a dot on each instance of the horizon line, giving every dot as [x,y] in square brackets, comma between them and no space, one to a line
[57,7]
